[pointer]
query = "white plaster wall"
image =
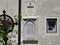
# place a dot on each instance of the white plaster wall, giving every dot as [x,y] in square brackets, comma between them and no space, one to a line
[45,8]
[11,6]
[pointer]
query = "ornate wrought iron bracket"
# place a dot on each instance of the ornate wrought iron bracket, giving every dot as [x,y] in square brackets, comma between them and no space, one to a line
[6,25]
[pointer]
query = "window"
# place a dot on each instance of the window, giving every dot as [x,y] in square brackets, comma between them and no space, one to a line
[51,26]
[29,31]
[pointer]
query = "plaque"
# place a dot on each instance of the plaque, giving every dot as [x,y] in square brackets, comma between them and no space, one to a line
[30,31]
[30,8]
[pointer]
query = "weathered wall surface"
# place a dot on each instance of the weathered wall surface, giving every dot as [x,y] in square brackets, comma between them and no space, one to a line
[43,9]
[11,6]
[48,9]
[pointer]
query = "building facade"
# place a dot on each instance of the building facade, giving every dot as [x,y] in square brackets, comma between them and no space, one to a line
[46,14]
[40,20]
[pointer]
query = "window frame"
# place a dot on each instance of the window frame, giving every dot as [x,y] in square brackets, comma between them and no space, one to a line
[57,26]
[47,29]
[29,41]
